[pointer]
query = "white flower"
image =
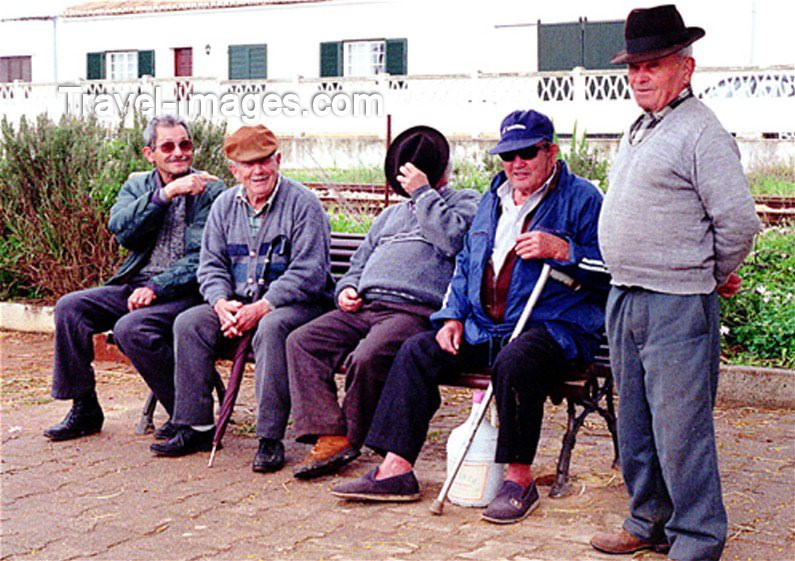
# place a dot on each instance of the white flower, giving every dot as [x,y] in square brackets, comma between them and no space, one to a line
[724,330]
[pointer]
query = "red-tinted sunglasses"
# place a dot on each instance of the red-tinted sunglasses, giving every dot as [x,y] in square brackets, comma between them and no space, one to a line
[524,153]
[168,147]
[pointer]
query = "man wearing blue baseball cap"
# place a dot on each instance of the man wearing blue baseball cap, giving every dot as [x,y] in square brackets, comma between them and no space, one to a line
[535,212]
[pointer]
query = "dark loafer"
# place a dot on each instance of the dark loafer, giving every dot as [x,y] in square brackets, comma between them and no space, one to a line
[84,418]
[400,488]
[623,542]
[269,456]
[512,503]
[328,455]
[186,441]
[167,431]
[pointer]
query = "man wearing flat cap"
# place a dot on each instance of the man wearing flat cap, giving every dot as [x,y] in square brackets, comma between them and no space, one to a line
[535,212]
[677,221]
[397,278]
[269,236]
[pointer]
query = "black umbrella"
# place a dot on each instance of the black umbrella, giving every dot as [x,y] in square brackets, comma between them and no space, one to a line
[239,364]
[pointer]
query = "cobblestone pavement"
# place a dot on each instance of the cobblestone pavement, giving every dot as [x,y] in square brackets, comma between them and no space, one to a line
[106,497]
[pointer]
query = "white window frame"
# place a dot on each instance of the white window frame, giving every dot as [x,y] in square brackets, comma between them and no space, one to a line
[364,58]
[122,65]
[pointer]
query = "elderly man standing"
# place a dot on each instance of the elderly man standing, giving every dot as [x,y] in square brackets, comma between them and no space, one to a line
[677,221]
[536,211]
[268,231]
[397,278]
[158,217]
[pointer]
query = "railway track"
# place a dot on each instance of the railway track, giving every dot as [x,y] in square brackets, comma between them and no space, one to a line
[371,198]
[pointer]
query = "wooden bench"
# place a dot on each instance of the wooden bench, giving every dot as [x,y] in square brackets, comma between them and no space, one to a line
[587,390]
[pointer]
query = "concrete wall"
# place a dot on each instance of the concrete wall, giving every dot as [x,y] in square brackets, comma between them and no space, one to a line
[444,36]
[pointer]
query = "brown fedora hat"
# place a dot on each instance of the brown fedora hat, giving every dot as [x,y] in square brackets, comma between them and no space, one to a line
[652,33]
[423,146]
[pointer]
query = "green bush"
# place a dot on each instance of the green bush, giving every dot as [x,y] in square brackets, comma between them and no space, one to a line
[57,184]
[758,323]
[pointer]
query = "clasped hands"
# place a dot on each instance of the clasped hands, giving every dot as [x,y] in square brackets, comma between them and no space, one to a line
[236,318]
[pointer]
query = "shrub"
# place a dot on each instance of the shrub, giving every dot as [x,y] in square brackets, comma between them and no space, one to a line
[758,323]
[57,184]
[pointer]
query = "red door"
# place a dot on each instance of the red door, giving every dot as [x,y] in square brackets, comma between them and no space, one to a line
[183,62]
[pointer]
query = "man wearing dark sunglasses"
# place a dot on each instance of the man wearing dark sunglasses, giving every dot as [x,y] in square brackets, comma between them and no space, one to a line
[535,212]
[159,217]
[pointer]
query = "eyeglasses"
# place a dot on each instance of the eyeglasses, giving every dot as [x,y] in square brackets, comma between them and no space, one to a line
[524,153]
[168,147]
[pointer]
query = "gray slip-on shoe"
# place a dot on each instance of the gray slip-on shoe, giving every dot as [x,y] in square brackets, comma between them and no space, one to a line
[400,488]
[512,503]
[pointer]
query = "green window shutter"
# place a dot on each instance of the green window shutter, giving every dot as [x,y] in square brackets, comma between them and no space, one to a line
[146,63]
[601,40]
[258,61]
[331,59]
[559,46]
[248,61]
[95,66]
[238,62]
[397,57]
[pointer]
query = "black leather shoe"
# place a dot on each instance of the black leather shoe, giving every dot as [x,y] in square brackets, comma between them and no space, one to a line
[167,431]
[186,441]
[269,457]
[84,418]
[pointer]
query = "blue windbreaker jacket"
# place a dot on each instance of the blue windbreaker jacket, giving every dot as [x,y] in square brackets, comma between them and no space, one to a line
[574,318]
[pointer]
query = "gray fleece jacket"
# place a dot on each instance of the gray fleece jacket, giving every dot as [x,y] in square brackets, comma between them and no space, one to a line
[409,253]
[294,239]
[678,216]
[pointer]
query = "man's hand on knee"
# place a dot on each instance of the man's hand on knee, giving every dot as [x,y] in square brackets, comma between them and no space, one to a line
[449,336]
[140,298]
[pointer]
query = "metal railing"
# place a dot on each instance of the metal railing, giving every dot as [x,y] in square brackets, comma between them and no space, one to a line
[750,102]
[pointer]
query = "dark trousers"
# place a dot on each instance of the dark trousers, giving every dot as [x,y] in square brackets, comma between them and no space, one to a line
[199,338]
[144,335]
[370,338]
[523,373]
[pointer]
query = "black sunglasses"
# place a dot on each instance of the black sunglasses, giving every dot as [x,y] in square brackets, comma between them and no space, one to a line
[524,153]
[168,146]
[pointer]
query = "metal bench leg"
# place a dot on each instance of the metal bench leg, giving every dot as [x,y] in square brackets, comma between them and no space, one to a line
[610,419]
[561,487]
[145,424]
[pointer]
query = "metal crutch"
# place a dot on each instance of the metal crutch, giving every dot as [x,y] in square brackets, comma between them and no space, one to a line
[438,505]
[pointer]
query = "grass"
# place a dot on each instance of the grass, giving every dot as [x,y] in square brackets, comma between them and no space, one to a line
[776,178]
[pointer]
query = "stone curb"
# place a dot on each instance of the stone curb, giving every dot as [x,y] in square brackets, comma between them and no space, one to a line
[739,385]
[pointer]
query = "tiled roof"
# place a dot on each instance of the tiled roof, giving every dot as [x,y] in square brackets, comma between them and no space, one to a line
[147,6]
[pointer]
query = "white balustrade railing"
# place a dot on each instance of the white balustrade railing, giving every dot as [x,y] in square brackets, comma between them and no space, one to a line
[751,102]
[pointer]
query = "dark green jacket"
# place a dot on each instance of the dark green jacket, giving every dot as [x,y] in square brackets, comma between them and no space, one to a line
[135,220]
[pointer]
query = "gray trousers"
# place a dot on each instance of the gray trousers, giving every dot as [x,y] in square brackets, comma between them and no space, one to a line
[197,340]
[143,335]
[664,350]
[370,338]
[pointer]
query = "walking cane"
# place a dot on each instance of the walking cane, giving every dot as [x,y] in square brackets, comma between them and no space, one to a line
[438,504]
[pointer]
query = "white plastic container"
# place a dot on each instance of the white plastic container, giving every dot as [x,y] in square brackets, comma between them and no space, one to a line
[480,477]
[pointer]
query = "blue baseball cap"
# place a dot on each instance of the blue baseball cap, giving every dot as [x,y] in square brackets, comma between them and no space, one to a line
[521,129]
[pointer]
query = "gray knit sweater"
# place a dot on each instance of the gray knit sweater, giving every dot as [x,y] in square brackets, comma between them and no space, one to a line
[295,234]
[409,253]
[678,216]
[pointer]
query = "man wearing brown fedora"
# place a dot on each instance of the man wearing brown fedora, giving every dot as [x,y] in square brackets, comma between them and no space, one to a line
[677,221]
[270,236]
[397,278]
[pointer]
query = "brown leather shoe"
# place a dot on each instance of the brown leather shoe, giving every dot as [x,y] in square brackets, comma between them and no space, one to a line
[624,542]
[328,455]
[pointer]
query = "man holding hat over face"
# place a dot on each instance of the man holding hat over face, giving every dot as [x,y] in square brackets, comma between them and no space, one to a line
[268,231]
[678,219]
[397,278]
[535,211]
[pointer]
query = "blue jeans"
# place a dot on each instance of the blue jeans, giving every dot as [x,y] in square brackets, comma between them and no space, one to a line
[665,350]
